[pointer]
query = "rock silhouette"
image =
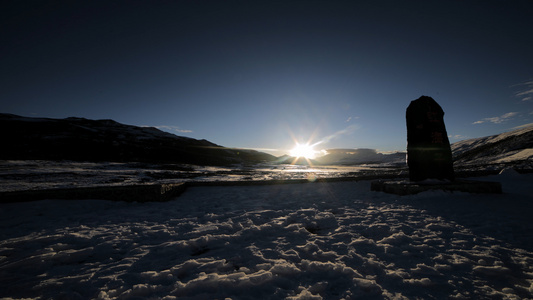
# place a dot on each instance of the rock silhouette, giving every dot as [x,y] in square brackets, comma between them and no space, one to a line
[429,155]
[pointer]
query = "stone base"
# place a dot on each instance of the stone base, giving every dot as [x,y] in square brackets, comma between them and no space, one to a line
[409,188]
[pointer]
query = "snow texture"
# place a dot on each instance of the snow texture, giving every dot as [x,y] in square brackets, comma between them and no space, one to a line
[316,240]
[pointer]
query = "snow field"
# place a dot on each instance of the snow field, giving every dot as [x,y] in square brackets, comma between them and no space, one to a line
[303,241]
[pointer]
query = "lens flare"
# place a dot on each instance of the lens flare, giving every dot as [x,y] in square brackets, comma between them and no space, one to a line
[303,150]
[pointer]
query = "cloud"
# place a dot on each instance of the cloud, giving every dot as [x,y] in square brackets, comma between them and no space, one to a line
[351,118]
[257,149]
[526,94]
[457,137]
[523,126]
[348,130]
[173,128]
[497,120]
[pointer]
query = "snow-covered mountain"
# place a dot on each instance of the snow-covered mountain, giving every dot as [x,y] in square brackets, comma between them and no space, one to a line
[360,156]
[513,147]
[107,140]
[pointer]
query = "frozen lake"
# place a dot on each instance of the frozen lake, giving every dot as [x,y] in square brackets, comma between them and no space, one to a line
[25,175]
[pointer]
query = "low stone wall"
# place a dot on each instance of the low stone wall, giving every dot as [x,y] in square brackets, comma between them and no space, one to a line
[140,192]
[165,192]
[130,193]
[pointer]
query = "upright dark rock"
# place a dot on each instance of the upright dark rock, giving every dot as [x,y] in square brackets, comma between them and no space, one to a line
[429,155]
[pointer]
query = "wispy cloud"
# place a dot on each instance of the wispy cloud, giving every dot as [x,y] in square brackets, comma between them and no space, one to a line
[351,118]
[173,128]
[526,92]
[523,126]
[348,130]
[497,120]
[259,149]
[457,137]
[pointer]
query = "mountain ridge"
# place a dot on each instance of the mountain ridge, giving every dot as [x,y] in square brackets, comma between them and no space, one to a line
[78,139]
[511,147]
[515,146]
[82,139]
[360,156]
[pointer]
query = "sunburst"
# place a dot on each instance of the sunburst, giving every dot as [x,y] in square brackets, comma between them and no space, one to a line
[303,150]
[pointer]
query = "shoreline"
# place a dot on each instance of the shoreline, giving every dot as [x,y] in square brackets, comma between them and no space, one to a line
[157,192]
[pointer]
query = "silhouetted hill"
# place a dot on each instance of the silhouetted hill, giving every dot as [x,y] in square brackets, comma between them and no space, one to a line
[106,140]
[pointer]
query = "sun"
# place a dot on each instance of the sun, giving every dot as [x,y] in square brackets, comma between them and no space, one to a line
[303,150]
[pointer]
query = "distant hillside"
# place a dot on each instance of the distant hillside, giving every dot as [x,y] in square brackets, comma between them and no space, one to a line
[106,140]
[360,156]
[510,147]
[287,159]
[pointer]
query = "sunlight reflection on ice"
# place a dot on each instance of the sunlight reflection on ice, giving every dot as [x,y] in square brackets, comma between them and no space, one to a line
[24,175]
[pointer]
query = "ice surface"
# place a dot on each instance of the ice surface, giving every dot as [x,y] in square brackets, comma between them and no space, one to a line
[300,241]
[39,174]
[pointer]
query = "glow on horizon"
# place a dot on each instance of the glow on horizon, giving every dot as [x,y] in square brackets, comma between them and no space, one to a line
[266,75]
[304,150]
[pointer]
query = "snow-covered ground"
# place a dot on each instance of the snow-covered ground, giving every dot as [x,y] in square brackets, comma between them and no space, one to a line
[334,240]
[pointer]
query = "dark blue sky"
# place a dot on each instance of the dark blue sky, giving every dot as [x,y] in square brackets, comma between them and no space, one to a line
[264,74]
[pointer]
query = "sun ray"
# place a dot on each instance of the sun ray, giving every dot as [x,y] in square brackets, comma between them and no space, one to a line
[303,150]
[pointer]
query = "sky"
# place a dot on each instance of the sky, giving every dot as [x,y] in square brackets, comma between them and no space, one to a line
[266,75]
